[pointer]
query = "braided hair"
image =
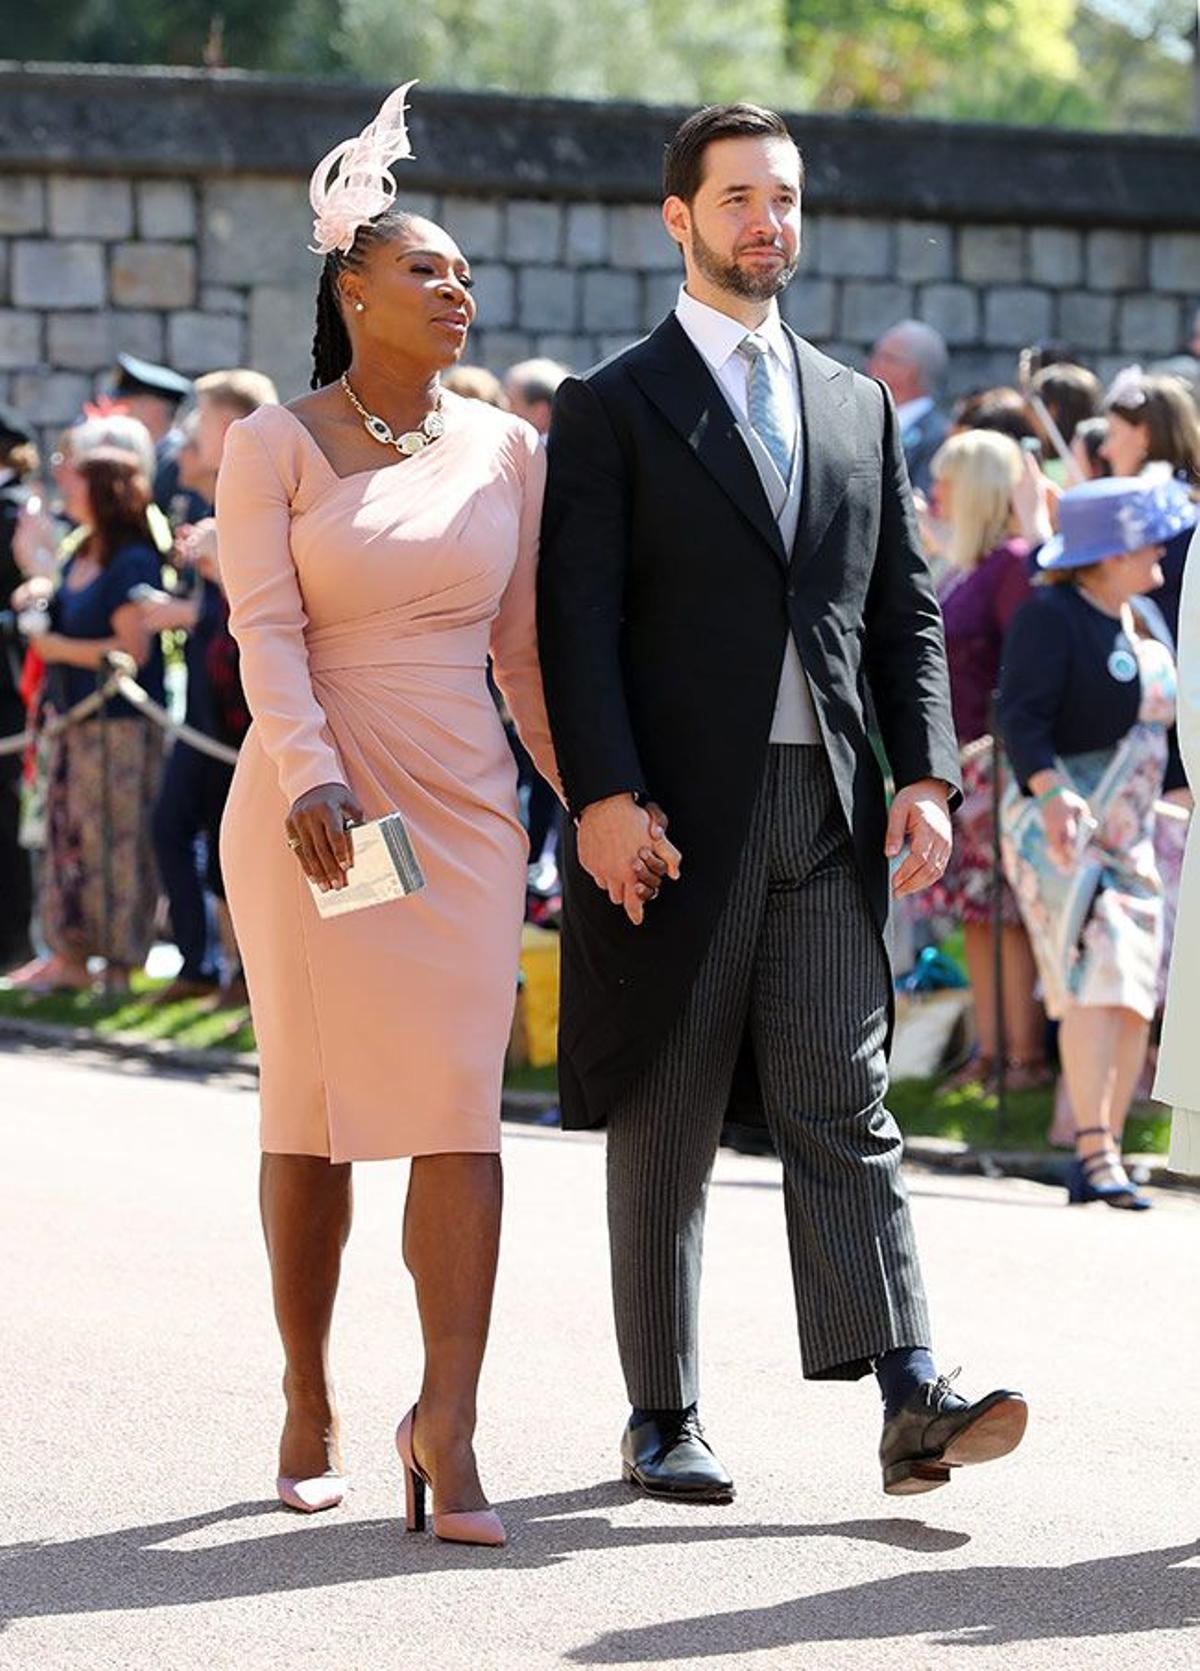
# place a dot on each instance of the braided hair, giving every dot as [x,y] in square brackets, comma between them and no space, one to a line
[331,340]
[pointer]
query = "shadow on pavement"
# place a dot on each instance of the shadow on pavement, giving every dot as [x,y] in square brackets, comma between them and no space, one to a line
[984,1607]
[127,1570]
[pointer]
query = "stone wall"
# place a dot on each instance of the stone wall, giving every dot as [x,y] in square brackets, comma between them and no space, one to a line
[165,214]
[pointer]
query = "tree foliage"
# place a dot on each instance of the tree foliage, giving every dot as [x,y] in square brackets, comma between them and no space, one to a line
[1007,60]
[1117,63]
[251,34]
[1136,59]
[659,49]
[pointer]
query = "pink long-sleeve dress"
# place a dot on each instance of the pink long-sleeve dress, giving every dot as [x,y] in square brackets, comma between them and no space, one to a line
[365,607]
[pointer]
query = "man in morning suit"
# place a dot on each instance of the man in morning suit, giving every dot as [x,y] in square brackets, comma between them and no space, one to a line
[730,564]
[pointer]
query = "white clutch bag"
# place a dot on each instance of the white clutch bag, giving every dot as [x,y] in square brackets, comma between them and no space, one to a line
[385,867]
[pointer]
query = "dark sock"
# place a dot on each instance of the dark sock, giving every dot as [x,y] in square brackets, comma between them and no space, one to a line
[900,1373]
[637,1417]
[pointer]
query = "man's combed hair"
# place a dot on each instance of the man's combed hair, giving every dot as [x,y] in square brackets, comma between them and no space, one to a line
[239,390]
[331,340]
[683,163]
[536,380]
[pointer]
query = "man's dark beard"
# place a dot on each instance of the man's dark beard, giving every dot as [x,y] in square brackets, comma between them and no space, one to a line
[755,287]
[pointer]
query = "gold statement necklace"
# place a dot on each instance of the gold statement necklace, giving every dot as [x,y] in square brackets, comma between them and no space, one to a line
[433,425]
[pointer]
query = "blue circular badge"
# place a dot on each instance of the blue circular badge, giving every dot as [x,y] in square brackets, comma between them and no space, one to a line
[1123,666]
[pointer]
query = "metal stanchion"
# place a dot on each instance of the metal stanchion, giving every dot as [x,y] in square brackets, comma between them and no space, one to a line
[998,929]
[106,853]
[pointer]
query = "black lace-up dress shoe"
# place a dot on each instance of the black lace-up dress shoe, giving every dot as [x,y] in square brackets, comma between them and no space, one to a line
[938,1430]
[665,1454]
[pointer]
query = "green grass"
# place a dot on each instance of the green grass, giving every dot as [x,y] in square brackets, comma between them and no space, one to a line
[533,1079]
[190,1024]
[920,1107]
[970,1116]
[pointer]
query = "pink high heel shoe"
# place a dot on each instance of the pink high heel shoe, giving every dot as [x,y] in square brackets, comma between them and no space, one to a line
[482,1526]
[310,1496]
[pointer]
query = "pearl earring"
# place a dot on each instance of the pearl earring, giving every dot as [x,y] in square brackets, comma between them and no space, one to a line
[359,307]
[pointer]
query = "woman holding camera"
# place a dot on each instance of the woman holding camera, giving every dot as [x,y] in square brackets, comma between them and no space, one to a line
[1087,695]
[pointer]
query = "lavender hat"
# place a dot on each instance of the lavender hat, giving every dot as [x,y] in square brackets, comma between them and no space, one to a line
[1115,514]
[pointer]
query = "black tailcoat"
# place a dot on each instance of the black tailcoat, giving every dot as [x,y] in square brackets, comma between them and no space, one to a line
[665,600]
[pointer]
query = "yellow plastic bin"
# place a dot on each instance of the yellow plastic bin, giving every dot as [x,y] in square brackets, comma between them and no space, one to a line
[539,994]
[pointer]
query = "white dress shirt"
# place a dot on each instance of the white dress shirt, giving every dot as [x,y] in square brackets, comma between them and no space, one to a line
[717,338]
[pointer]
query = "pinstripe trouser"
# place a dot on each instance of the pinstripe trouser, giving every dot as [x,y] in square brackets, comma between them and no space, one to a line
[795,956]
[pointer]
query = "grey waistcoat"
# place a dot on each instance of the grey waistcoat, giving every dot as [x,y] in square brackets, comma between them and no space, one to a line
[795,719]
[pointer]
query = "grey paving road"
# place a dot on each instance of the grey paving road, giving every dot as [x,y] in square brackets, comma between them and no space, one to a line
[140,1416]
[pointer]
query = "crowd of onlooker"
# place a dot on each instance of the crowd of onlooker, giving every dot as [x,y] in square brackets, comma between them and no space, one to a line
[108,836]
[113,551]
[1057,516]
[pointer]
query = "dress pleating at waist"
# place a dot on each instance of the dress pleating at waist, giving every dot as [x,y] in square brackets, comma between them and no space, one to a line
[390,641]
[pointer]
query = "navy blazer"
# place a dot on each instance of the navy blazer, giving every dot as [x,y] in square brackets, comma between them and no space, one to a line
[921,444]
[1057,695]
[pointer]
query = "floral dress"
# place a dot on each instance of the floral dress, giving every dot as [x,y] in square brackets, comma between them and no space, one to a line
[977,608]
[1097,931]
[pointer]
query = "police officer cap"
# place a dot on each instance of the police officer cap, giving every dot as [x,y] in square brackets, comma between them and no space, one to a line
[143,377]
[13,429]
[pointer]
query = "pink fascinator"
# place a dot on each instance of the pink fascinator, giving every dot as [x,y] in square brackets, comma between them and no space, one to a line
[362,186]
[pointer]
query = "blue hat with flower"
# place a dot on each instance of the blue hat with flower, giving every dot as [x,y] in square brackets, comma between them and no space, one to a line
[1115,514]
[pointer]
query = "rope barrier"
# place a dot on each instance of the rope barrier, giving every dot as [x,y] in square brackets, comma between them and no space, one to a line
[73,716]
[145,704]
[121,682]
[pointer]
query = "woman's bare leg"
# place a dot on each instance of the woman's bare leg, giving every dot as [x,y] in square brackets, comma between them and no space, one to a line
[451,1245]
[1024,1019]
[306,1207]
[1087,1045]
[1102,1050]
[977,946]
[1132,1043]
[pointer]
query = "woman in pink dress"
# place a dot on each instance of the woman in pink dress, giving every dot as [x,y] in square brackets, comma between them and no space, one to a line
[378,539]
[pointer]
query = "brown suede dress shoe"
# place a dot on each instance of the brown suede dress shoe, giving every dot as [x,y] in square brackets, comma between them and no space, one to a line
[937,1430]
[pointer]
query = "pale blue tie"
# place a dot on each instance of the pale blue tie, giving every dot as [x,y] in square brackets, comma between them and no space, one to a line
[768,409]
